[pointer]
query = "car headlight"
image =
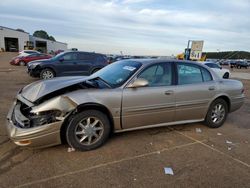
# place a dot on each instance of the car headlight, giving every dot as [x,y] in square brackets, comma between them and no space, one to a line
[60,103]
[33,65]
[46,117]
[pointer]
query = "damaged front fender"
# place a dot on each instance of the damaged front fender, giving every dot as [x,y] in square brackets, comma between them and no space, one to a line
[61,103]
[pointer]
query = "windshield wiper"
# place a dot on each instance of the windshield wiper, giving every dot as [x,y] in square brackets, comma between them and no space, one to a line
[92,84]
[104,81]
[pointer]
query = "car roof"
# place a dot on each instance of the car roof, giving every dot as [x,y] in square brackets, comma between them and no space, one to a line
[152,61]
[81,52]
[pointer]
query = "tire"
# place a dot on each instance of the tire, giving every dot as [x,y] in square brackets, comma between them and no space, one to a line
[226,75]
[88,130]
[47,74]
[22,63]
[221,115]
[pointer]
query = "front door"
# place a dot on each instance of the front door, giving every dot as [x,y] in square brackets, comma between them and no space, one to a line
[153,104]
[67,65]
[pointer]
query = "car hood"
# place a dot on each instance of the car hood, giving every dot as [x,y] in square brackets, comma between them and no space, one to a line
[36,90]
[41,61]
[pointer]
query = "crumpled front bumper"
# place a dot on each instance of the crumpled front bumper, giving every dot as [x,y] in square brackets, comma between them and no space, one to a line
[40,136]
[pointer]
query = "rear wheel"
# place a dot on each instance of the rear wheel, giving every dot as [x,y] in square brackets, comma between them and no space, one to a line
[47,74]
[217,113]
[88,130]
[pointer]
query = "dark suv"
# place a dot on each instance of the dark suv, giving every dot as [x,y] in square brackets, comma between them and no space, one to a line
[67,64]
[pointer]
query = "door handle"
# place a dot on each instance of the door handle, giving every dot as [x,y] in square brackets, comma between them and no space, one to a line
[211,88]
[169,92]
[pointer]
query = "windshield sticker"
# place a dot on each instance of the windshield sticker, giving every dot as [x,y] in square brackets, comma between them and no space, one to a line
[129,68]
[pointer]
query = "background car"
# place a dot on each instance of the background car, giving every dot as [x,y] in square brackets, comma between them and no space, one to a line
[223,73]
[58,52]
[23,60]
[28,52]
[72,63]
[241,64]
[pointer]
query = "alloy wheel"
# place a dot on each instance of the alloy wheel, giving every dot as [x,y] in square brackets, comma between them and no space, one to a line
[89,131]
[47,74]
[218,113]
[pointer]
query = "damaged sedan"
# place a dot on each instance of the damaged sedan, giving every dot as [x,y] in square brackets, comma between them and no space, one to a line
[124,96]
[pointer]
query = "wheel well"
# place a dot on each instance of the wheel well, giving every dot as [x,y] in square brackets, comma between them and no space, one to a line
[83,107]
[226,75]
[225,98]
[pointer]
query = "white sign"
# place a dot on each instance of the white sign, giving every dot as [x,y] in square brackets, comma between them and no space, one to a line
[197,45]
[196,50]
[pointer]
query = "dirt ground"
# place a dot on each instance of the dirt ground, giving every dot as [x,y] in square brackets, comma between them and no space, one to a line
[207,158]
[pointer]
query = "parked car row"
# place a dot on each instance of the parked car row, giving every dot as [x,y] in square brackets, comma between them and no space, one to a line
[70,63]
[236,63]
[239,64]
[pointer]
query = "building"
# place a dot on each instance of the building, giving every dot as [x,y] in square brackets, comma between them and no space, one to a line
[12,40]
[16,40]
[45,45]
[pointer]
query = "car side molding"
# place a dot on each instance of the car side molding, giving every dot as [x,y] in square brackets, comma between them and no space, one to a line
[160,125]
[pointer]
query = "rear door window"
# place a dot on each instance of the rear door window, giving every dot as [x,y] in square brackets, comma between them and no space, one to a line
[189,74]
[206,75]
[86,57]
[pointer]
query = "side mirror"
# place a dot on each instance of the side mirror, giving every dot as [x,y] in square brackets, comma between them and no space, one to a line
[61,59]
[140,82]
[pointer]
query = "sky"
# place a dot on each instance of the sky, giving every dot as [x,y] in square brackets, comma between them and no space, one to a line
[135,27]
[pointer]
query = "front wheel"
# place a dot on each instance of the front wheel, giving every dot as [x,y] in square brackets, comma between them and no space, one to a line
[217,113]
[47,74]
[88,130]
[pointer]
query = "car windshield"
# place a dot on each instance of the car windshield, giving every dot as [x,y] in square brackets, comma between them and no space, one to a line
[58,55]
[117,73]
[213,65]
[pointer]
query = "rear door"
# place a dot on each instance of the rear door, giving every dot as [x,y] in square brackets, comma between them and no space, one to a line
[151,105]
[85,63]
[194,91]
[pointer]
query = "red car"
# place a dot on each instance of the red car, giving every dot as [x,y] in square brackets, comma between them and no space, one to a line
[21,60]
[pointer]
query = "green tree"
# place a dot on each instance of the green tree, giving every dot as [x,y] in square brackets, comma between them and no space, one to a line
[43,34]
[52,38]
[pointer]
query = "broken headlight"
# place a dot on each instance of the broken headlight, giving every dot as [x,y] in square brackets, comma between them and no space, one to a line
[45,117]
